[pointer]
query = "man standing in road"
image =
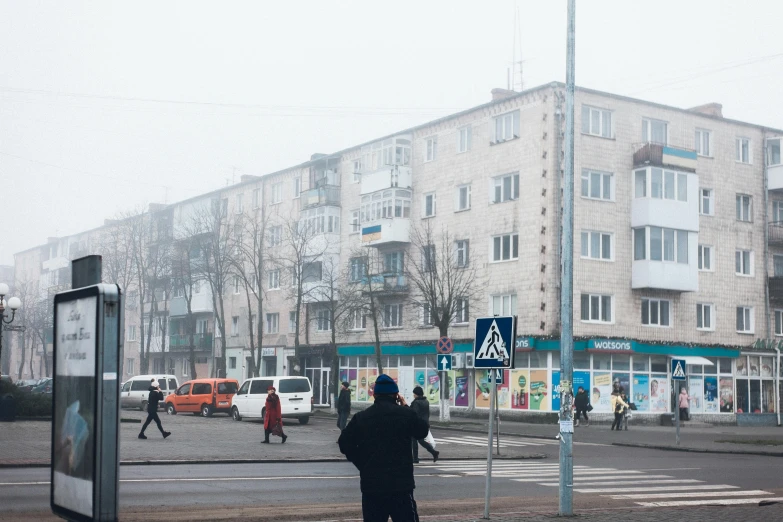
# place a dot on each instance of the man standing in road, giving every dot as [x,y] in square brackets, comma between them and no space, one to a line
[378,442]
[155,396]
[421,406]
[344,405]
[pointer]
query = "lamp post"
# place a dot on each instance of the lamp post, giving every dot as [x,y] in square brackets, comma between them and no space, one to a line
[13,304]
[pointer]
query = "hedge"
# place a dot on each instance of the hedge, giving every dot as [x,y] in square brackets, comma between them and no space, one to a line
[28,404]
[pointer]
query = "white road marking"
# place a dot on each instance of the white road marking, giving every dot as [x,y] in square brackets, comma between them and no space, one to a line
[653,488]
[714,502]
[629,482]
[678,494]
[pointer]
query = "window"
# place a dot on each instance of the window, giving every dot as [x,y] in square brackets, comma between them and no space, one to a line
[392,315]
[665,244]
[357,170]
[291,322]
[238,208]
[358,268]
[705,258]
[461,252]
[777,265]
[743,262]
[505,247]
[505,188]
[706,202]
[224,207]
[236,284]
[745,319]
[655,312]
[429,204]
[597,185]
[503,305]
[704,316]
[323,320]
[777,212]
[639,244]
[703,142]
[655,131]
[463,139]
[773,151]
[130,366]
[275,235]
[356,225]
[393,262]
[596,308]
[273,279]
[428,316]
[461,311]
[597,245]
[297,187]
[277,193]
[256,198]
[432,148]
[462,198]
[506,126]
[597,122]
[235,325]
[272,323]
[744,208]
[132,332]
[312,272]
[742,150]
[232,363]
[779,322]
[428,260]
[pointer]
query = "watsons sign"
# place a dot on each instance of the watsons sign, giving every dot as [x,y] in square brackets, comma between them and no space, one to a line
[523,343]
[610,345]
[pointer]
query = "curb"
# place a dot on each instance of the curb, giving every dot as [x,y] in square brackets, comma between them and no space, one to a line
[698,450]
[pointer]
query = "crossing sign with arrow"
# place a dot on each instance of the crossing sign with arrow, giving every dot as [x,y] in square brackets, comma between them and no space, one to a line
[444,362]
[678,369]
[493,346]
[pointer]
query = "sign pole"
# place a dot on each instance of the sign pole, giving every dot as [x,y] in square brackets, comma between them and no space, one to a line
[676,411]
[488,485]
[497,420]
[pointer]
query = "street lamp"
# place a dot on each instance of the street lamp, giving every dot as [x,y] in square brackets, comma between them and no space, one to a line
[13,304]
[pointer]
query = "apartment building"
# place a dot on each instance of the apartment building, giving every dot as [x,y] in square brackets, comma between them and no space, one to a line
[678,252]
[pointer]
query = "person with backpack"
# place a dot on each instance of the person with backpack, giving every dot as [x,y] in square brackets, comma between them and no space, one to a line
[618,406]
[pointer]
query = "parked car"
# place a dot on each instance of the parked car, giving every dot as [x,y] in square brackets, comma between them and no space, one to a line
[27,384]
[202,396]
[6,378]
[296,398]
[135,390]
[44,386]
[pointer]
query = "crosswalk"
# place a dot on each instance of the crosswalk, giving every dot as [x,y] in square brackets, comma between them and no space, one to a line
[476,440]
[648,489]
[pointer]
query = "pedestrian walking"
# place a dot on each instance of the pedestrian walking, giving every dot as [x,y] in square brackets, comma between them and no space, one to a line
[582,405]
[618,405]
[154,397]
[378,442]
[685,403]
[626,409]
[273,416]
[344,405]
[421,406]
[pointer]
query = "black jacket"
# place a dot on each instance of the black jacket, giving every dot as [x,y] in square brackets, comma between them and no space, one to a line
[422,408]
[344,401]
[378,442]
[581,400]
[154,398]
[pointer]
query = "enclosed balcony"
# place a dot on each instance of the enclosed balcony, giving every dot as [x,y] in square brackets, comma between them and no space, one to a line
[387,232]
[658,155]
[319,196]
[388,176]
[665,198]
[181,342]
[385,285]
[774,164]
[776,289]
[665,259]
[775,235]
[385,164]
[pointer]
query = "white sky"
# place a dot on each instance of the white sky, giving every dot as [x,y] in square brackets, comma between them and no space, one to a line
[105,106]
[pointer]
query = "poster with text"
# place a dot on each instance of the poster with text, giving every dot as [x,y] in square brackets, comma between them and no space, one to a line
[625,382]
[602,388]
[711,399]
[432,389]
[504,396]
[659,393]
[420,376]
[696,392]
[726,392]
[482,389]
[519,389]
[371,376]
[462,395]
[361,392]
[352,374]
[539,391]
[582,379]
[641,392]
[556,390]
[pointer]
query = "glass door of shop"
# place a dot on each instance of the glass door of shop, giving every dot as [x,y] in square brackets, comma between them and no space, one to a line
[319,378]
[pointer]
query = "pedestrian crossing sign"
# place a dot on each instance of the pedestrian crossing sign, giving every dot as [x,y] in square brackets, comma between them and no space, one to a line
[493,346]
[678,369]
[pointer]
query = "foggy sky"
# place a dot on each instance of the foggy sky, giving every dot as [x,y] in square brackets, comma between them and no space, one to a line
[107,106]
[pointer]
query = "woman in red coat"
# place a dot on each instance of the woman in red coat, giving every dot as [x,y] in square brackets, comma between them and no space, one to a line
[273,416]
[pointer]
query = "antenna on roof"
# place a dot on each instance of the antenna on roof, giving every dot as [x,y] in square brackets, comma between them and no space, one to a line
[517,45]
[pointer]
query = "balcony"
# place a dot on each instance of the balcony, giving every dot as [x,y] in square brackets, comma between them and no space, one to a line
[775,235]
[665,198]
[387,232]
[385,285]
[389,176]
[322,195]
[200,303]
[657,155]
[660,275]
[181,342]
[775,289]
[775,177]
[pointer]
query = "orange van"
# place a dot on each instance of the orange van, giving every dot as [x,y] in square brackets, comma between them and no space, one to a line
[202,396]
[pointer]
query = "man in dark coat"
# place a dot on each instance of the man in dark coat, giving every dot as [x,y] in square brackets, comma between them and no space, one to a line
[581,401]
[155,396]
[421,406]
[377,441]
[344,405]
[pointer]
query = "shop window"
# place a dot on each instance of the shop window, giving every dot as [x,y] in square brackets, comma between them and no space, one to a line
[538,360]
[522,360]
[658,364]
[621,362]
[555,360]
[724,365]
[602,361]
[581,360]
[641,363]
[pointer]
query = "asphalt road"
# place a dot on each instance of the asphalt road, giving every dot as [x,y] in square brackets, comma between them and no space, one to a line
[330,491]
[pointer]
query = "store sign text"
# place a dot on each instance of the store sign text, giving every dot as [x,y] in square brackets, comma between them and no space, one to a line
[613,346]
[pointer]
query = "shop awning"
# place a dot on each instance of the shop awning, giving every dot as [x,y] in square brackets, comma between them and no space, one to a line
[693,359]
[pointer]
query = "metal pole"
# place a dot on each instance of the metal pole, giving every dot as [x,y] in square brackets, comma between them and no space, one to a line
[497,421]
[488,484]
[567,284]
[676,409]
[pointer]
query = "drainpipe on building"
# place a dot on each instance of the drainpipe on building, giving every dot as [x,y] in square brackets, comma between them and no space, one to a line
[777,385]
[766,271]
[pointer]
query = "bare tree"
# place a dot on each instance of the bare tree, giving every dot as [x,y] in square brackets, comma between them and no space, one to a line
[445,282]
[185,255]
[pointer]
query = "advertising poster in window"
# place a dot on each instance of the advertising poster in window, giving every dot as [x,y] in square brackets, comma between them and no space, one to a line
[504,396]
[538,390]
[582,379]
[420,376]
[361,392]
[696,392]
[482,389]
[432,388]
[659,393]
[75,348]
[711,401]
[461,397]
[641,392]
[519,389]
[555,390]
[726,392]
[625,382]
[352,374]
[602,389]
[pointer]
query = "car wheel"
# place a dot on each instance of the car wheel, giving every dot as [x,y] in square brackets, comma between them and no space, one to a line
[143,406]
[304,420]
[206,410]
[171,410]
[235,414]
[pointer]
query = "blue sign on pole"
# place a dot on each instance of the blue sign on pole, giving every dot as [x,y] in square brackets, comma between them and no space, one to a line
[444,362]
[497,375]
[678,369]
[493,346]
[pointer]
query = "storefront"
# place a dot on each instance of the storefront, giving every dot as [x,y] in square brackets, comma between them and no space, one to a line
[317,363]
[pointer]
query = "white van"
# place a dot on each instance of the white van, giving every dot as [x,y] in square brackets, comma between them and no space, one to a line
[296,398]
[135,390]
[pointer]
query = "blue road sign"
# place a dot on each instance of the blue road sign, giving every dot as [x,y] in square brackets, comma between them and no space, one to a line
[496,374]
[493,346]
[678,369]
[444,362]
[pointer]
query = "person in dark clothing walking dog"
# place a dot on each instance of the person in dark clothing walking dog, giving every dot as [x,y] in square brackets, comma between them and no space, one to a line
[421,406]
[155,396]
[378,442]
[344,405]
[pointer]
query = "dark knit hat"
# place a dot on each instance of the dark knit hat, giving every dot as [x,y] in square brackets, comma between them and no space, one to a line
[385,385]
[346,384]
[418,391]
